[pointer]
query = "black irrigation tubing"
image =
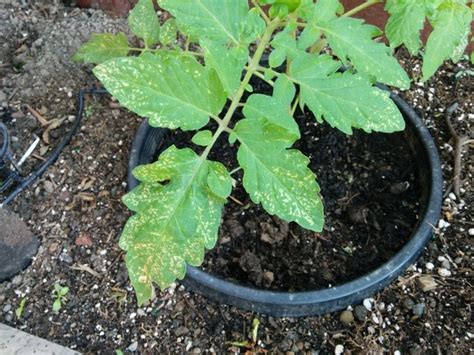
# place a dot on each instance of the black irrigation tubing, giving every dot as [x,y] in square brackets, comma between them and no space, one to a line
[25,182]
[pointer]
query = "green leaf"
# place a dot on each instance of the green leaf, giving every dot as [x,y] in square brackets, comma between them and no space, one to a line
[275,110]
[21,308]
[407,18]
[172,92]
[285,43]
[321,11]
[254,26]
[215,19]
[227,62]
[102,47]
[169,31]
[351,39]
[277,177]
[63,291]
[284,90]
[277,57]
[202,138]
[308,37]
[219,180]
[177,216]
[144,23]
[344,100]
[449,39]
[57,305]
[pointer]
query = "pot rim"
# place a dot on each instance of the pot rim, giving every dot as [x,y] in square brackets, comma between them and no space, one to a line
[304,303]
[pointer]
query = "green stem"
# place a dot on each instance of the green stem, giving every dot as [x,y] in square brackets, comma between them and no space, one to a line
[253,65]
[262,13]
[361,7]
[261,76]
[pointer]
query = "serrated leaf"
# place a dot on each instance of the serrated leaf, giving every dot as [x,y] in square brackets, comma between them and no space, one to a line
[202,138]
[351,39]
[102,47]
[345,100]
[285,44]
[169,31]
[321,11]
[215,19]
[175,92]
[144,23]
[179,220]
[407,18]
[277,177]
[227,62]
[254,26]
[275,111]
[449,39]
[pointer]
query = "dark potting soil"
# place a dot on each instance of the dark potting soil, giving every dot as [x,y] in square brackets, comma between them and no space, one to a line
[369,186]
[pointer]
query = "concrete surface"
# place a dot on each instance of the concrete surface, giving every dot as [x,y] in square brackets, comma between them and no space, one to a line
[16,342]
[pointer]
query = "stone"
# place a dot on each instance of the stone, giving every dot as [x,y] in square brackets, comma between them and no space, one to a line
[444,272]
[360,313]
[17,244]
[133,346]
[408,303]
[418,309]
[339,349]
[347,317]
[181,331]
[426,283]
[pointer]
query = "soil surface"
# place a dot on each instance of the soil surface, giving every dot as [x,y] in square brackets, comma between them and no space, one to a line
[76,212]
[370,193]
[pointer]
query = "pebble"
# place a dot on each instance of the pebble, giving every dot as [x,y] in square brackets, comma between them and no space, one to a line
[17,280]
[429,266]
[181,331]
[408,303]
[133,346]
[471,232]
[426,283]
[368,303]
[446,265]
[66,258]
[444,272]
[360,313]
[418,309]
[347,317]
[7,308]
[339,349]
[452,196]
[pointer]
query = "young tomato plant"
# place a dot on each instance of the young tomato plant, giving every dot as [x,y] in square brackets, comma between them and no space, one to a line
[179,202]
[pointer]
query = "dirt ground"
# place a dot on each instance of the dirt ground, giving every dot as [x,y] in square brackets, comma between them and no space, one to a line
[75,211]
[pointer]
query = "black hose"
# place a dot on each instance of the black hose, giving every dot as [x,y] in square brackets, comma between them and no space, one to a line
[5,140]
[27,181]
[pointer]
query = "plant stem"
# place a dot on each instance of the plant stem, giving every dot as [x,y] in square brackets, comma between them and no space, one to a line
[262,13]
[253,65]
[361,7]
[261,76]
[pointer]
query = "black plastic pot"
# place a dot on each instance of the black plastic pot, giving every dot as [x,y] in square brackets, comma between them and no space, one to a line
[147,144]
